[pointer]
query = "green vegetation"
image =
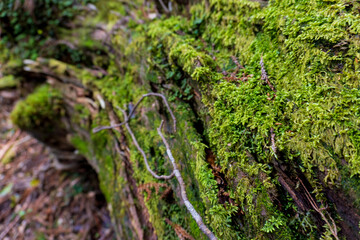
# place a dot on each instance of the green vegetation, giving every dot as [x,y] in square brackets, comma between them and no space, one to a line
[41,109]
[8,82]
[310,50]
[27,25]
[310,53]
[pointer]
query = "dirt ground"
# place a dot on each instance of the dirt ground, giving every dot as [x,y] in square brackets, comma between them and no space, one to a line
[36,200]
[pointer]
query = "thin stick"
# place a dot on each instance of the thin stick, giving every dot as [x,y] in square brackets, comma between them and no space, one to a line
[142,151]
[178,176]
[12,224]
[332,228]
[163,6]
[98,129]
[9,144]
[264,75]
[239,66]
[272,136]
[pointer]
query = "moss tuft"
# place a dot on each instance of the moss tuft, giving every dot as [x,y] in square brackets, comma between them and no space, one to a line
[39,110]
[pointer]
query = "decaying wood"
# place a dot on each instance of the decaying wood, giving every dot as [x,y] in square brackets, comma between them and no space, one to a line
[196,216]
[135,201]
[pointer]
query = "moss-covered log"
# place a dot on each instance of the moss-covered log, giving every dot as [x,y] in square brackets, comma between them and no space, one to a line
[266,97]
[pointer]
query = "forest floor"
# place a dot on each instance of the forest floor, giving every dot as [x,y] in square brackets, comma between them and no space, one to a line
[38,201]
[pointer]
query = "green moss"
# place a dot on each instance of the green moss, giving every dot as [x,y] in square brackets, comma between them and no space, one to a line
[39,110]
[8,82]
[149,140]
[82,117]
[100,151]
[314,113]
[310,50]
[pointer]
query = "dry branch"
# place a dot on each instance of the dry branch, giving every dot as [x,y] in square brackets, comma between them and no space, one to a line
[163,6]
[97,129]
[272,136]
[264,75]
[178,176]
[332,227]
[175,172]
[238,65]
[142,151]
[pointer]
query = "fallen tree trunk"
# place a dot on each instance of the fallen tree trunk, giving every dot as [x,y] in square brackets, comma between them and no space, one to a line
[266,105]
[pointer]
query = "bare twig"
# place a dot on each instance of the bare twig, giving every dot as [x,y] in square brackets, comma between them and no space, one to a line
[178,176]
[97,129]
[142,151]
[239,66]
[232,76]
[285,185]
[272,136]
[164,7]
[175,172]
[9,144]
[170,6]
[53,42]
[332,227]
[264,75]
[12,224]
[182,234]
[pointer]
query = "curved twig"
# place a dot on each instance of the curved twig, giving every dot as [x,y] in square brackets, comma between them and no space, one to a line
[175,171]
[98,129]
[272,137]
[142,151]
[178,176]
[264,75]
[313,203]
